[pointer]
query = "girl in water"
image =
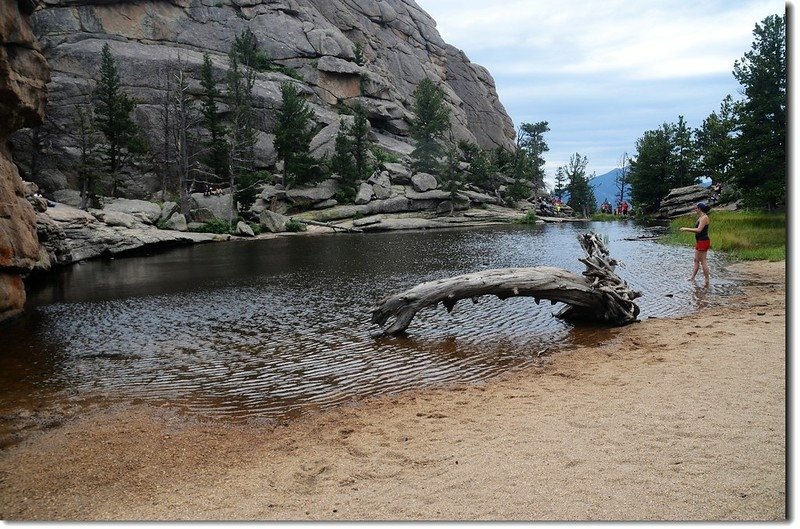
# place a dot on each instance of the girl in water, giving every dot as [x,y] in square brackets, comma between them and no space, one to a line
[702,241]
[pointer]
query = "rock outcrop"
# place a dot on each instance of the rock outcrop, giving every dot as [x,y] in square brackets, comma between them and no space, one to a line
[682,200]
[315,40]
[23,75]
[69,235]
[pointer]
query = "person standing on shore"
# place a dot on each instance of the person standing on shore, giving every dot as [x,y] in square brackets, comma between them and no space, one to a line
[702,241]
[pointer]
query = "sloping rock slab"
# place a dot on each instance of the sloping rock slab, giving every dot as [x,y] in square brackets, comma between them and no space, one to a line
[85,237]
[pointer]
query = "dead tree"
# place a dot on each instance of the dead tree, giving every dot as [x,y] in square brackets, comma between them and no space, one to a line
[598,295]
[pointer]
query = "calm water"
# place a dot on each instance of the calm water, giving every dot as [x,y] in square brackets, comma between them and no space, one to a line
[268,329]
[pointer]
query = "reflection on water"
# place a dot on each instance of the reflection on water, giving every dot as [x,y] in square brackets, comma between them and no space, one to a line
[266,329]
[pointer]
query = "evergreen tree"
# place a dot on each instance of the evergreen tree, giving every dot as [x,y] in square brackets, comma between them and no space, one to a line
[531,147]
[684,155]
[85,136]
[241,136]
[293,134]
[560,183]
[651,169]
[240,79]
[502,162]
[622,180]
[165,159]
[431,121]
[760,163]
[361,144]
[581,195]
[184,139]
[666,158]
[350,160]
[714,143]
[451,174]
[112,112]
[342,162]
[480,169]
[248,53]
[215,145]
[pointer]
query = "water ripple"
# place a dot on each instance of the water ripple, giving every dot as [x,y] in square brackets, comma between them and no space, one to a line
[268,329]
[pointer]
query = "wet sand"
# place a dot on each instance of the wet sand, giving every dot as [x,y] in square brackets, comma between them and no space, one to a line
[670,419]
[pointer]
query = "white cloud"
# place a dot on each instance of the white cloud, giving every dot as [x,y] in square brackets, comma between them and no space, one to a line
[591,67]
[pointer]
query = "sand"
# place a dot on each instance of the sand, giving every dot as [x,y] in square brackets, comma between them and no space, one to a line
[670,419]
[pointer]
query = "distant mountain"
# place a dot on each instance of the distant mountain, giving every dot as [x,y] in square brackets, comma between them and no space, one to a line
[605,187]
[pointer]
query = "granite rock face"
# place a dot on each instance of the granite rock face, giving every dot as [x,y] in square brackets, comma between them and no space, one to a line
[316,38]
[23,75]
[682,200]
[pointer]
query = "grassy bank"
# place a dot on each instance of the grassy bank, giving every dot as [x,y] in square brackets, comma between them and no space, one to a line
[745,235]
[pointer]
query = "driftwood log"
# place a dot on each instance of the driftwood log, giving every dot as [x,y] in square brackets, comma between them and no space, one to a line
[598,295]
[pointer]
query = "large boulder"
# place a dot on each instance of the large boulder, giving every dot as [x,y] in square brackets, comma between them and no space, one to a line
[311,195]
[150,210]
[365,193]
[422,182]
[682,200]
[273,222]
[381,185]
[205,208]
[177,222]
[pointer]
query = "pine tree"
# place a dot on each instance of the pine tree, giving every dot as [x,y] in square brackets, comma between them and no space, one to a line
[666,158]
[350,160]
[684,155]
[184,139]
[240,80]
[714,143]
[623,178]
[531,147]
[581,195]
[561,183]
[361,144]
[480,168]
[760,168]
[112,112]
[342,162]
[248,53]
[431,121]
[216,146]
[86,138]
[293,134]
[651,169]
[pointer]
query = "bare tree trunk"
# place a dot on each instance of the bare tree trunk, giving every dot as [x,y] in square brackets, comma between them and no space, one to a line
[598,295]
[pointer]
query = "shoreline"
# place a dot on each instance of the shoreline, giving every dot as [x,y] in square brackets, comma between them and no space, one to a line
[669,419]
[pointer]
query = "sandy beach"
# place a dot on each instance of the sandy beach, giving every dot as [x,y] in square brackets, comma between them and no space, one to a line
[669,419]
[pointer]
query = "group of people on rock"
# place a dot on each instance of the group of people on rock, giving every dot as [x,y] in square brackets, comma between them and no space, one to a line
[210,191]
[623,208]
[551,205]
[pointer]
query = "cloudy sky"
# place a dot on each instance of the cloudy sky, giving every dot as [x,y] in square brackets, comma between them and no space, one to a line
[602,73]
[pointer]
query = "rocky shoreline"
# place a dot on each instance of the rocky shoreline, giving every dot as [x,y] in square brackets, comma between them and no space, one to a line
[392,199]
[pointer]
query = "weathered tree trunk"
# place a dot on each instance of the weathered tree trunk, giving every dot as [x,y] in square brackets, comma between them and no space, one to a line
[598,295]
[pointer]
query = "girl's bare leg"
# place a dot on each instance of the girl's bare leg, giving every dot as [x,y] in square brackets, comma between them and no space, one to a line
[704,262]
[696,266]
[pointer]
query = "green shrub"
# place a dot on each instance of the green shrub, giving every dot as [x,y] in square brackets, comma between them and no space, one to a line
[257,228]
[529,218]
[345,195]
[215,226]
[607,217]
[382,156]
[295,226]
